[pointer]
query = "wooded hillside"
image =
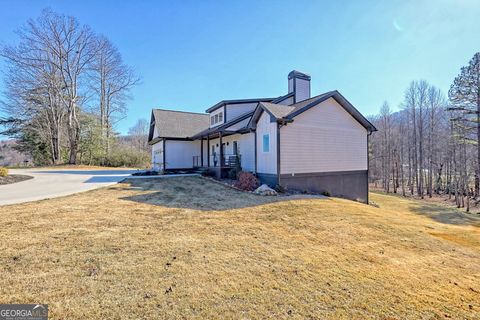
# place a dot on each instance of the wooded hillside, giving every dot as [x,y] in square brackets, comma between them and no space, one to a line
[431,146]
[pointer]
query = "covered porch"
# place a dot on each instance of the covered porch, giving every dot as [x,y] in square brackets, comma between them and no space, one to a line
[220,152]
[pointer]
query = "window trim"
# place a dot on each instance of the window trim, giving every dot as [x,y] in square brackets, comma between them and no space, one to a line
[267,145]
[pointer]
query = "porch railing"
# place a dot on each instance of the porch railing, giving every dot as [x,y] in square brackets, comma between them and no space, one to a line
[227,161]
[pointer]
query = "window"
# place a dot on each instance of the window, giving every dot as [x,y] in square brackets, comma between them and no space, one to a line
[266,143]
[216,118]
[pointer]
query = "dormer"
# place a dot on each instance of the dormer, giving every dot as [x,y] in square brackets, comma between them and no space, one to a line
[228,110]
[217,117]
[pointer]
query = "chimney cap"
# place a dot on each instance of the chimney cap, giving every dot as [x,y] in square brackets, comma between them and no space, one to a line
[298,74]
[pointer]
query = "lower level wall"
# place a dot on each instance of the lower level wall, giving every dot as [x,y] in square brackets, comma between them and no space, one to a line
[351,185]
[269,179]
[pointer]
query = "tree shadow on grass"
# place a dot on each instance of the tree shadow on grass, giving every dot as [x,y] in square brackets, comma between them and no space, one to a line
[194,193]
[446,215]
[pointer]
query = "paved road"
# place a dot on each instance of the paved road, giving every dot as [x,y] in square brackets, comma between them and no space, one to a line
[52,183]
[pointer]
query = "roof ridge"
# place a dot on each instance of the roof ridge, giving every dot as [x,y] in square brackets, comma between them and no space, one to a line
[236,101]
[180,111]
[314,97]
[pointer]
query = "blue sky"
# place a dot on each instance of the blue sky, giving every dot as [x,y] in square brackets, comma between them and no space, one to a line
[191,54]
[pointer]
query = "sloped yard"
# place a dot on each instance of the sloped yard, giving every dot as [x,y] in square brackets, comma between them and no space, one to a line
[190,248]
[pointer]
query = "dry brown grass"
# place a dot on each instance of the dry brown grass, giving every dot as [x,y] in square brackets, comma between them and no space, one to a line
[190,248]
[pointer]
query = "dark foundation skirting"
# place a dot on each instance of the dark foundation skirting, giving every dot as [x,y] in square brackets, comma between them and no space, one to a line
[351,185]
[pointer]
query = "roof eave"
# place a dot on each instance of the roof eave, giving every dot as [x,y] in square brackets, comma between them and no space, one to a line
[237,101]
[337,96]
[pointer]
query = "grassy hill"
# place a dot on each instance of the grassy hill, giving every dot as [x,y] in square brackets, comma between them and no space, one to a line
[191,248]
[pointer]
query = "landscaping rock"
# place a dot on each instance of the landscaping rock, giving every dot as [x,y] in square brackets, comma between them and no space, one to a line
[265,190]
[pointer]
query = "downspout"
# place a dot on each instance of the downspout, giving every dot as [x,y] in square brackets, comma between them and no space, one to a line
[280,123]
[278,153]
[164,151]
[255,150]
[368,160]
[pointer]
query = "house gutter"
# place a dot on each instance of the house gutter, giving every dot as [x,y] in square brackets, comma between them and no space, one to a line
[280,123]
[368,161]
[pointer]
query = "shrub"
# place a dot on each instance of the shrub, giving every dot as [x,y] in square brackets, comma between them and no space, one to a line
[247,181]
[125,156]
[326,193]
[232,174]
[3,172]
[280,188]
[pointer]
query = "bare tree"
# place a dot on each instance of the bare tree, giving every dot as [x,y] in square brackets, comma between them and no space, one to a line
[34,90]
[139,135]
[112,83]
[464,95]
[55,52]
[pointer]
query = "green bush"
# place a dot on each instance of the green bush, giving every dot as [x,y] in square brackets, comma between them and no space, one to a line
[3,172]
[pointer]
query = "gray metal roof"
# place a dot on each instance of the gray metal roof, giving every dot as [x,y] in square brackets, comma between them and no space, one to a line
[178,124]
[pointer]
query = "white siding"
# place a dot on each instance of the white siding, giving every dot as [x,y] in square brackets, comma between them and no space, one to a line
[204,153]
[324,138]
[246,146]
[266,161]
[179,154]
[246,149]
[216,149]
[155,132]
[157,156]
[236,110]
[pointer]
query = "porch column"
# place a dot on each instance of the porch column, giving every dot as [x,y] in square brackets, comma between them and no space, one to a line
[208,151]
[201,152]
[221,149]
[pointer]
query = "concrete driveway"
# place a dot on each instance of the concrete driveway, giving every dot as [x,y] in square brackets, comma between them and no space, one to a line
[52,183]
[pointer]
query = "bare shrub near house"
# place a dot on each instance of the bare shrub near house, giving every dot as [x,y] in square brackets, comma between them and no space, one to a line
[246,181]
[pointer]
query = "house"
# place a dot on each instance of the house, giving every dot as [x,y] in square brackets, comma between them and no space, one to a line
[316,144]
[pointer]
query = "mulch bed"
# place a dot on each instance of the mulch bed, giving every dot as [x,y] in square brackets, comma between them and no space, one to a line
[13,178]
